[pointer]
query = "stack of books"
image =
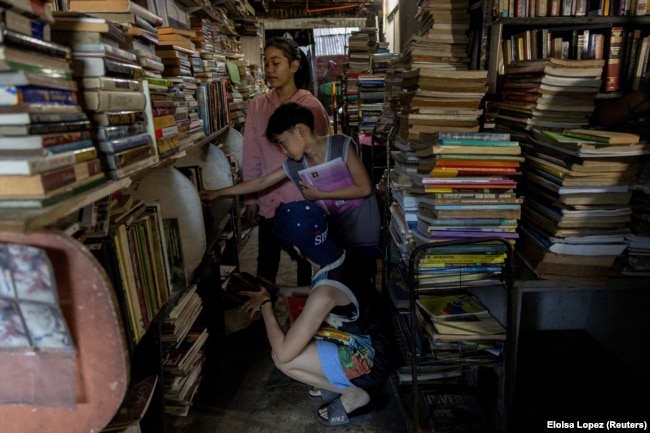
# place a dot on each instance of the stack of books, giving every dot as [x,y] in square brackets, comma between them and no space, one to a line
[165,113]
[388,121]
[190,130]
[436,100]
[637,258]
[458,329]
[371,101]
[112,93]
[442,39]
[460,317]
[576,214]
[470,189]
[46,149]
[205,42]
[555,94]
[361,44]
[183,341]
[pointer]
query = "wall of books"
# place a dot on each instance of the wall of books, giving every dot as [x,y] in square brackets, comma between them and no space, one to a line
[98,100]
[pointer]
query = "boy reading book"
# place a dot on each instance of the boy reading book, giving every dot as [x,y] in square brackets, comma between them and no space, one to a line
[346,196]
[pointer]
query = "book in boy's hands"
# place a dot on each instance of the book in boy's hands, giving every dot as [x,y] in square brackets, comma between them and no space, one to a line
[331,176]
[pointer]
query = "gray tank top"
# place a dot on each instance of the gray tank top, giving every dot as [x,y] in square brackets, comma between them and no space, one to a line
[359,226]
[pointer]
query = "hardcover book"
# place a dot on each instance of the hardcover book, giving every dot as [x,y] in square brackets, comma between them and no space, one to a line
[330,176]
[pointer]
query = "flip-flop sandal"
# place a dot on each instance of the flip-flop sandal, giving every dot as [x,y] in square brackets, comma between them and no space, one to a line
[324,394]
[336,414]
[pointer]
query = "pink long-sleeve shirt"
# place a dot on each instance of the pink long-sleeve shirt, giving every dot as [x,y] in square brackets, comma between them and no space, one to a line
[262,157]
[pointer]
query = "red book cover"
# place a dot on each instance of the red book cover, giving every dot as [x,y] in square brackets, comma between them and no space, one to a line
[612,69]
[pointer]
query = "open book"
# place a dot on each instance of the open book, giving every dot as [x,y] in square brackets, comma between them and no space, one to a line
[331,176]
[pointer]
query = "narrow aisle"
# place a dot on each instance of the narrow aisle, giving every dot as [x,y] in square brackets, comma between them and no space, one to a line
[242,391]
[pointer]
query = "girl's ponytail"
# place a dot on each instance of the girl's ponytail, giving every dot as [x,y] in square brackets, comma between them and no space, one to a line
[302,78]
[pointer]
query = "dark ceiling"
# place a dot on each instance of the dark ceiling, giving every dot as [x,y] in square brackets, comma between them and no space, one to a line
[287,9]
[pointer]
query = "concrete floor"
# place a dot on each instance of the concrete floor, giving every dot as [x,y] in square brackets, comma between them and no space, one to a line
[242,391]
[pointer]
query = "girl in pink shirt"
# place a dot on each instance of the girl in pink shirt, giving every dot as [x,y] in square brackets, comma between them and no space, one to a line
[288,74]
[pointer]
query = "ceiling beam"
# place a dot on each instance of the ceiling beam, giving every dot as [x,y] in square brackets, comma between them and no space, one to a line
[312,23]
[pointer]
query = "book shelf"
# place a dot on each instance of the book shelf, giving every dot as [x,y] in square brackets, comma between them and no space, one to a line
[557,307]
[141,347]
[437,361]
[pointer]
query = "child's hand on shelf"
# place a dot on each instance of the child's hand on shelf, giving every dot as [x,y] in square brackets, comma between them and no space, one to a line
[209,194]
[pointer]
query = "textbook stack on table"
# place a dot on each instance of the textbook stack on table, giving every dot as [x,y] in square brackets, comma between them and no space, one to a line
[46,153]
[111,93]
[577,209]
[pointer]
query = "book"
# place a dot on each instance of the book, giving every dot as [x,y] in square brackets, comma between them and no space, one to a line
[600,136]
[33,44]
[442,307]
[111,83]
[330,176]
[36,164]
[612,73]
[55,196]
[34,8]
[43,128]
[15,95]
[100,5]
[25,78]
[124,158]
[101,66]
[43,141]
[175,255]
[37,185]
[25,118]
[103,50]
[110,100]
[80,24]
[19,59]
[480,326]
[123,143]
[115,118]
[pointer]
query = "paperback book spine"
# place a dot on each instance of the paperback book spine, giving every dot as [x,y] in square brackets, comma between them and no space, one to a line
[33,43]
[14,95]
[29,166]
[118,160]
[108,100]
[118,118]
[123,143]
[14,186]
[111,83]
[113,132]
[27,26]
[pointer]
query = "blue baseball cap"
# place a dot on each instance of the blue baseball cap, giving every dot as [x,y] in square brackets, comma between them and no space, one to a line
[303,224]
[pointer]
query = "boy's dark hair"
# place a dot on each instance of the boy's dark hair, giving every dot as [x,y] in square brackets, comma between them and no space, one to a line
[286,117]
[292,51]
